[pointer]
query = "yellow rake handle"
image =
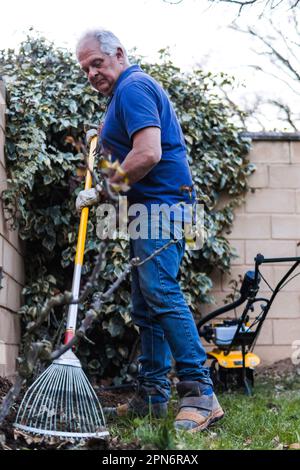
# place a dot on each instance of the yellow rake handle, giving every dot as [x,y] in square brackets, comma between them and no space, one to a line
[85,210]
[73,308]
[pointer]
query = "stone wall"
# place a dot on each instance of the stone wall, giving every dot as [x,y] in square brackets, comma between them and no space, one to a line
[12,269]
[269,223]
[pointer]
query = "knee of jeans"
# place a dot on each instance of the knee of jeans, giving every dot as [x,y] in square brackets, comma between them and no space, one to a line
[155,300]
[162,300]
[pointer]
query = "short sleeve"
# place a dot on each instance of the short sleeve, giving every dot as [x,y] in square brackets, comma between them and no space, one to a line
[138,107]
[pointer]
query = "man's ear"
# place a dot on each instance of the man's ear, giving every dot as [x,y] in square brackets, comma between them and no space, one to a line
[120,55]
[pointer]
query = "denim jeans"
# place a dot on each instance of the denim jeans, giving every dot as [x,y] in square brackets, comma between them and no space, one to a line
[165,322]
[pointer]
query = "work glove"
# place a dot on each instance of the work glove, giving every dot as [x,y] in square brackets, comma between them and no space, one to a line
[87,198]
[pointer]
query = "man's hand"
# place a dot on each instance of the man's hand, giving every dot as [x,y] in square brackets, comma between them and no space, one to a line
[88,197]
[90,135]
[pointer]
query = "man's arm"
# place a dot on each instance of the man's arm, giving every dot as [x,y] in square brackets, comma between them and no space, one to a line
[145,154]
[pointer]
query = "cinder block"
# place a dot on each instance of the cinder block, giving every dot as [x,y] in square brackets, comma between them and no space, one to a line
[293,285]
[240,209]
[2,224]
[270,152]
[270,249]
[11,356]
[239,246]
[216,276]
[298,201]
[286,305]
[2,156]
[250,226]
[2,138]
[271,354]
[271,201]
[3,186]
[286,227]
[238,272]
[219,298]
[10,235]
[295,152]
[225,199]
[13,263]
[286,331]
[2,93]
[3,178]
[16,242]
[260,178]
[265,336]
[9,327]
[285,176]
[3,291]
[13,294]
[1,248]
[2,353]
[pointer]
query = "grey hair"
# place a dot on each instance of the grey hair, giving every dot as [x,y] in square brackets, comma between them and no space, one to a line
[108,42]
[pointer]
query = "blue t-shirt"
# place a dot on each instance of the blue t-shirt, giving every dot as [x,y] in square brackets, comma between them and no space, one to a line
[137,102]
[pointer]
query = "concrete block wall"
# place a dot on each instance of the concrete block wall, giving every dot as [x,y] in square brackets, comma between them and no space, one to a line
[12,267]
[269,223]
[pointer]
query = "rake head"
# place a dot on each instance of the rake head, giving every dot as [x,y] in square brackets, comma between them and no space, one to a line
[62,403]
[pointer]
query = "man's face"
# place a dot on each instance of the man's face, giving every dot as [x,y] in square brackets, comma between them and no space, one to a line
[102,70]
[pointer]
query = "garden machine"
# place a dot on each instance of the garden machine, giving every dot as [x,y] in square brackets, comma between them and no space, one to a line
[62,402]
[233,360]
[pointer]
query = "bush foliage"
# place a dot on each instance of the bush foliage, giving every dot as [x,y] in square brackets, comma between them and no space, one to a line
[50,105]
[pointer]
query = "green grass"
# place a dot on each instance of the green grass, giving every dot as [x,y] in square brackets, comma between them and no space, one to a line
[270,419]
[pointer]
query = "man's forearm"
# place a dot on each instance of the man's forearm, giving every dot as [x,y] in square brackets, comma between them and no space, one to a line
[135,166]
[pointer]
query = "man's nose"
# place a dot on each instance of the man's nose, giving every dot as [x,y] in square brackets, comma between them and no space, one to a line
[92,73]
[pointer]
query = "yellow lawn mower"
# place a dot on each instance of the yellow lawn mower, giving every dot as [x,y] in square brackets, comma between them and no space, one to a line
[233,360]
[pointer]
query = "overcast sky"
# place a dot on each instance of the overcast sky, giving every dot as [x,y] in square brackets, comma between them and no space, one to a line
[195,30]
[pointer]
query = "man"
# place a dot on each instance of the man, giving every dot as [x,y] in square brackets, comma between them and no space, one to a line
[142,132]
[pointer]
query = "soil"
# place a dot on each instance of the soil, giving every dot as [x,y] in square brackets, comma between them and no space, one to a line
[281,369]
[12,439]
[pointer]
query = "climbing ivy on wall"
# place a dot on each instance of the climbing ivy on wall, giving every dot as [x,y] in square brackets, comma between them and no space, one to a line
[50,105]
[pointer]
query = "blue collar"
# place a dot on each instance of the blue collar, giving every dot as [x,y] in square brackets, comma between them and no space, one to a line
[125,74]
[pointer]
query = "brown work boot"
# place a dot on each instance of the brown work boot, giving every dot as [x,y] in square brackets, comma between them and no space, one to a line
[196,411]
[139,405]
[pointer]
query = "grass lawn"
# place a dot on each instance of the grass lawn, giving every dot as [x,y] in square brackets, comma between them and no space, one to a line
[270,419]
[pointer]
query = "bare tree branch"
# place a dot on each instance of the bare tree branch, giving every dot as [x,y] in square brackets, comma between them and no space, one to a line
[282,62]
[288,115]
[271,4]
[273,75]
[275,53]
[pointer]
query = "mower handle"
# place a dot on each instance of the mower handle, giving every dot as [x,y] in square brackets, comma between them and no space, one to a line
[248,288]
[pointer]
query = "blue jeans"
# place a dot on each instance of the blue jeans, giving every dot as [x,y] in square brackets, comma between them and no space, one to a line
[165,322]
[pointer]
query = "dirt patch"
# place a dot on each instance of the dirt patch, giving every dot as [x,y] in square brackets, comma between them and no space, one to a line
[283,369]
[113,397]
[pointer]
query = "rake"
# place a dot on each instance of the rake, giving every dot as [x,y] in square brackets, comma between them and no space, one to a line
[62,402]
